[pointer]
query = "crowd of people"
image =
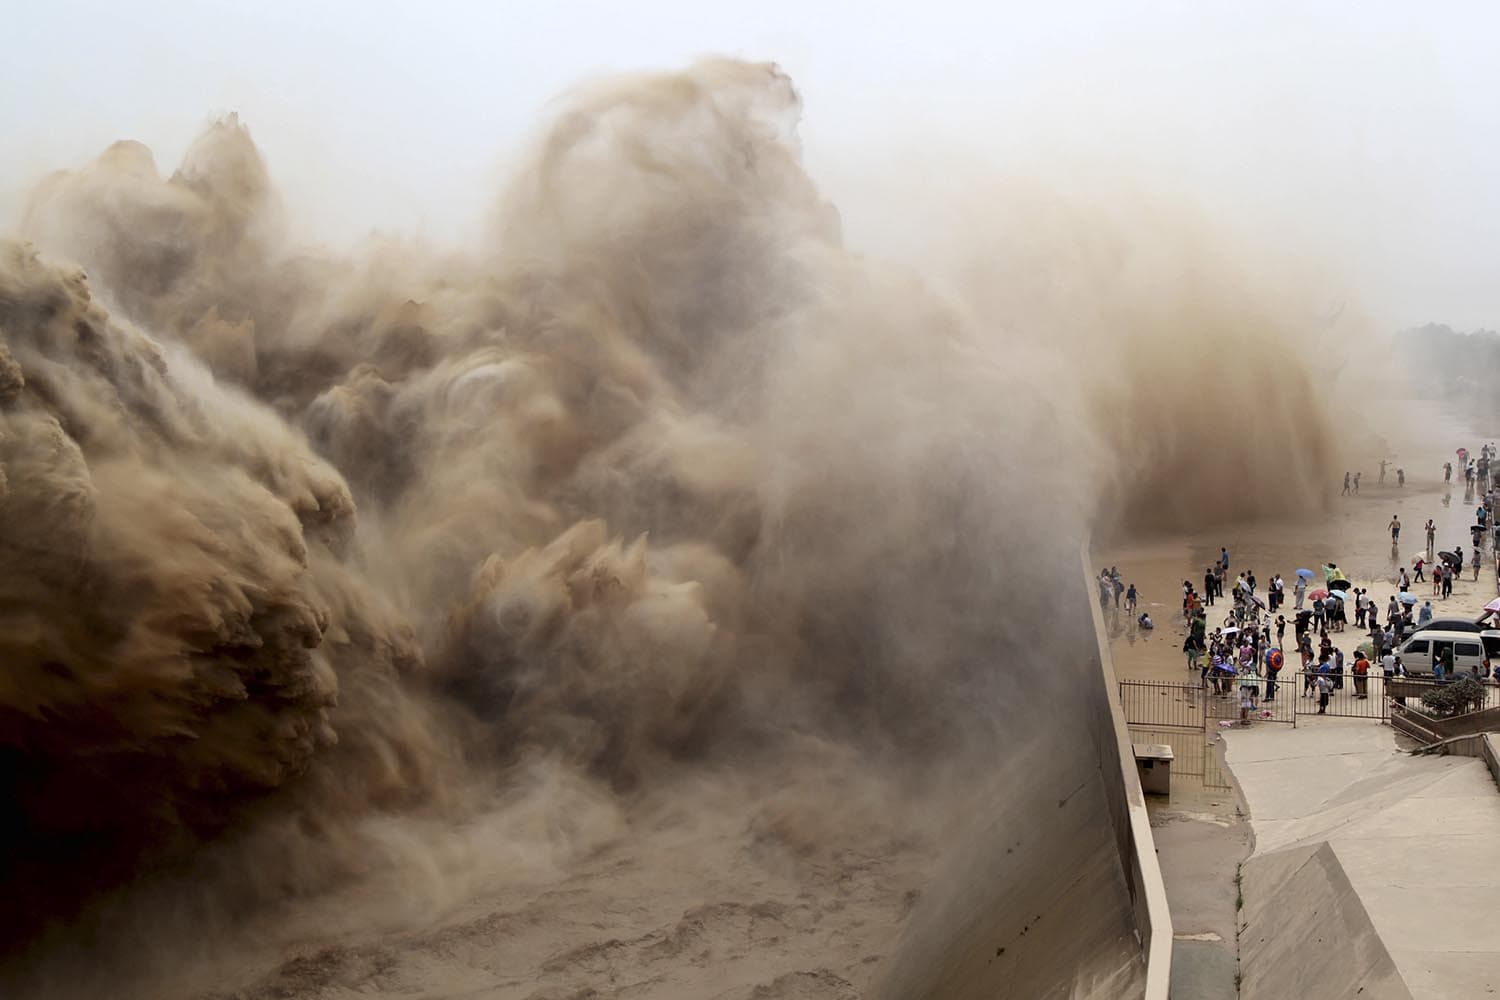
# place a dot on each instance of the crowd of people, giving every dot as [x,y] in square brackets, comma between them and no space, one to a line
[1246,654]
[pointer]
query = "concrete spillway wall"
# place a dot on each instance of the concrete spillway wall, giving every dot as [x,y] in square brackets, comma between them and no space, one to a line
[1056,891]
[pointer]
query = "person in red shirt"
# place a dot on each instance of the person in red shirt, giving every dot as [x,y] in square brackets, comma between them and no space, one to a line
[1361,675]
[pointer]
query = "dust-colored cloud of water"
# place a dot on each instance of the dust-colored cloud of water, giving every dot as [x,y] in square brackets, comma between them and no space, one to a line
[305,558]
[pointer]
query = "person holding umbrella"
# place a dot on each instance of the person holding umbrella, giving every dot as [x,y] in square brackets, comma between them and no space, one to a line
[1418,561]
[1274,662]
[1407,600]
[1491,608]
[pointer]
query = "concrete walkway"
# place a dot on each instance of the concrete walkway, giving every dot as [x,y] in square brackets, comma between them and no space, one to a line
[1374,873]
[1200,852]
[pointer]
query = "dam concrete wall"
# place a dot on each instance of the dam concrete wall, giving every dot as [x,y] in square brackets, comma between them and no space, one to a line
[1056,891]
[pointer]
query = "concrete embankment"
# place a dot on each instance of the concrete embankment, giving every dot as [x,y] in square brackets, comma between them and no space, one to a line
[1057,893]
[1371,874]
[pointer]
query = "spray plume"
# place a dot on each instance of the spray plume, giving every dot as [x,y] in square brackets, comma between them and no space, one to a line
[663,490]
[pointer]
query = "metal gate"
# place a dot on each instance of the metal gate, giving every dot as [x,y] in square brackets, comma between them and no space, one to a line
[1193,751]
[1193,705]
[1187,717]
[1352,697]
[1162,704]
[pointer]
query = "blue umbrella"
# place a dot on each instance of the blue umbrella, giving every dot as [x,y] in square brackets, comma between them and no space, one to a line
[1306,574]
[1407,597]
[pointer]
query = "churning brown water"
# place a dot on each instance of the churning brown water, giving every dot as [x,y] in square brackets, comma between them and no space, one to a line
[617,609]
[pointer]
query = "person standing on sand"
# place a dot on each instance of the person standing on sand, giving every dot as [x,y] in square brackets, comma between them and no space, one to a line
[1475,565]
[1431,537]
[1447,472]
[1347,481]
[1404,583]
[1209,586]
[1425,615]
[1382,472]
[1356,483]
[1395,529]
[1224,558]
[1400,477]
[1325,685]
[1299,592]
[1130,596]
[1361,675]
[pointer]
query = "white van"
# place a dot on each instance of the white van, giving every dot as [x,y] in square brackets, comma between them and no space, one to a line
[1421,651]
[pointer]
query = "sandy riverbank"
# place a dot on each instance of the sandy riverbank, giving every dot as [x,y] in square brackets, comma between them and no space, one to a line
[1352,533]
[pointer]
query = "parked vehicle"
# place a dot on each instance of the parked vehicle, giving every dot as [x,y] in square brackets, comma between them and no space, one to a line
[1423,649]
[1489,635]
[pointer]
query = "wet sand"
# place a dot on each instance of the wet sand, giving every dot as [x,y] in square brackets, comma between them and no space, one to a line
[1352,533]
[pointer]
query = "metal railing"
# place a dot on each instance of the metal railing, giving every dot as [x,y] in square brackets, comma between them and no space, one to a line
[1193,754]
[1198,704]
[1163,704]
[1370,697]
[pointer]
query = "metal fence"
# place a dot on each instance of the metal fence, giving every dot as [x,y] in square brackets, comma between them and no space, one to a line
[1162,704]
[1352,696]
[1200,705]
[1193,751]
[1371,697]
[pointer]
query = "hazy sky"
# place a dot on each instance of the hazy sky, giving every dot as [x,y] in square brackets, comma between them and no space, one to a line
[1366,134]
